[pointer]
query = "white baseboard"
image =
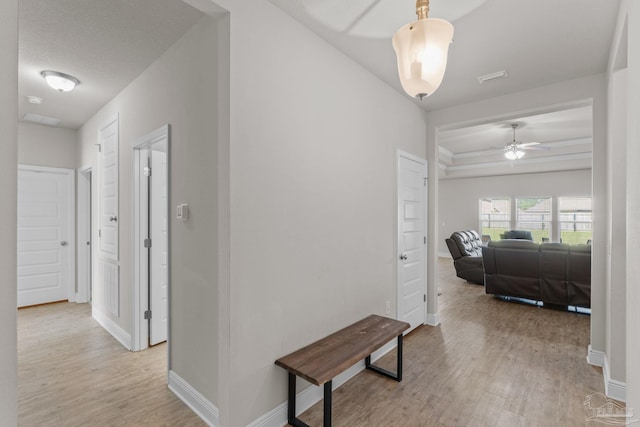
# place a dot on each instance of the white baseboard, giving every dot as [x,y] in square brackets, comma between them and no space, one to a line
[432,319]
[613,388]
[206,410]
[308,397]
[444,255]
[595,357]
[110,326]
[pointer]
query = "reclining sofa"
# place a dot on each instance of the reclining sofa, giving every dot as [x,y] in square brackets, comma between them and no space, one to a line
[466,250]
[554,273]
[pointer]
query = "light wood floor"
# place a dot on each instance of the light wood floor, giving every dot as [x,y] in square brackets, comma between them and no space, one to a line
[489,363]
[71,372]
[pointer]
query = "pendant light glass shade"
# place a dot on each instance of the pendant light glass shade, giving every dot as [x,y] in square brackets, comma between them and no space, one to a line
[421,49]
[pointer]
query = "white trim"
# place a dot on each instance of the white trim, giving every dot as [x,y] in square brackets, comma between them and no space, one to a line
[595,357]
[110,326]
[523,161]
[613,388]
[433,319]
[206,410]
[308,397]
[69,175]
[84,257]
[444,255]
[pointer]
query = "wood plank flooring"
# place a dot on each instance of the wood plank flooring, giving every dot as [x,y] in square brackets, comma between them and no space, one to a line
[489,363]
[71,372]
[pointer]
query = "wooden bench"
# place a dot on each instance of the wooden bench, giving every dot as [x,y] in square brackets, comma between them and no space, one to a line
[321,361]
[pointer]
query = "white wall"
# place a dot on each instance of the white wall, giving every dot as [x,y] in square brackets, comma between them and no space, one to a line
[41,145]
[633,205]
[313,197]
[8,217]
[617,234]
[517,105]
[458,201]
[180,89]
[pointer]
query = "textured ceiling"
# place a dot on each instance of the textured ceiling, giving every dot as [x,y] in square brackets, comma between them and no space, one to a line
[105,44]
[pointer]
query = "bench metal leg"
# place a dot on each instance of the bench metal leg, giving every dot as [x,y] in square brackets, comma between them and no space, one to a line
[327,403]
[396,376]
[291,409]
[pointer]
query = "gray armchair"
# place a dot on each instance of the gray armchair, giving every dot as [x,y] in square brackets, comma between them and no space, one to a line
[466,250]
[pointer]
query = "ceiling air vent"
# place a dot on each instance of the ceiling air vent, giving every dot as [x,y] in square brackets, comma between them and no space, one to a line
[43,120]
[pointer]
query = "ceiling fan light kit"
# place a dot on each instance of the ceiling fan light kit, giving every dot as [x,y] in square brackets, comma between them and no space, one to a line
[514,154]
[515,150]
[421,49]
[60,81]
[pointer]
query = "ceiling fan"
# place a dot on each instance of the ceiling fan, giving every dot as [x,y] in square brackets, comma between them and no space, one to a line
[515,150]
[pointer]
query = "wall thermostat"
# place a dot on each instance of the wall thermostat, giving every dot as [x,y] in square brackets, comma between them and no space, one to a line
[182,211]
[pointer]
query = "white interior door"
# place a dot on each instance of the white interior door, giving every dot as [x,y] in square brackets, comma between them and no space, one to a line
[45,235]
[412,239]
[108,136]
[158,257]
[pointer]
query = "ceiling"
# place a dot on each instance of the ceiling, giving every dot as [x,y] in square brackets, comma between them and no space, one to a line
[104,44]
[536,42]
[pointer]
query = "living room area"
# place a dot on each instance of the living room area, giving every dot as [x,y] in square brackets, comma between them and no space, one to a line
[573,197]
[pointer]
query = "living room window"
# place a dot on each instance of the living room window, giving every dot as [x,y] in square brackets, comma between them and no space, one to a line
[535,215]
[495,216]
[575,219]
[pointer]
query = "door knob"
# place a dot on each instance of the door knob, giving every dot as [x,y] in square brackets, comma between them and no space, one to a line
[113,218]
[403,257]
[63,243]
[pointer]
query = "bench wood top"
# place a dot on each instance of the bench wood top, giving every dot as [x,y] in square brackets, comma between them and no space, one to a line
[322,360]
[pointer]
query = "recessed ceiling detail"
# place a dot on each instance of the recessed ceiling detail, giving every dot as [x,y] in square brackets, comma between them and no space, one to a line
[478,150]
[374,18]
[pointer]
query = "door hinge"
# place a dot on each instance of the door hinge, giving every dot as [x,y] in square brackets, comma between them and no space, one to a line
[99,148]
[147,243]
[99,233]
[425,297]
[425,240]
[425,182]
[147,171]
[147,315]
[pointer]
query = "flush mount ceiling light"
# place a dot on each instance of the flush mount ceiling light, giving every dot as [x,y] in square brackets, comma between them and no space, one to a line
[60,81]
[421,49]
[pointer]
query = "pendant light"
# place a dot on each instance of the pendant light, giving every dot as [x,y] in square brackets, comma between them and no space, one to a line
[421,49]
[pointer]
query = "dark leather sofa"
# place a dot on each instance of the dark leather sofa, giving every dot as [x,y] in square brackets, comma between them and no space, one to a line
[517,234]
[554,273]
[466,250]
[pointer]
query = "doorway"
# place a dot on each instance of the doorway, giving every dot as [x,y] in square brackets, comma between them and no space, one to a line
[151,239]
[84,239]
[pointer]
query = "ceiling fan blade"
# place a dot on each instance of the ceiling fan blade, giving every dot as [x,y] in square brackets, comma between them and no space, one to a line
[535,147]
[527,144]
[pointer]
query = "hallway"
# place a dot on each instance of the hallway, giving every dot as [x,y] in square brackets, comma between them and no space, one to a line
[71,372]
